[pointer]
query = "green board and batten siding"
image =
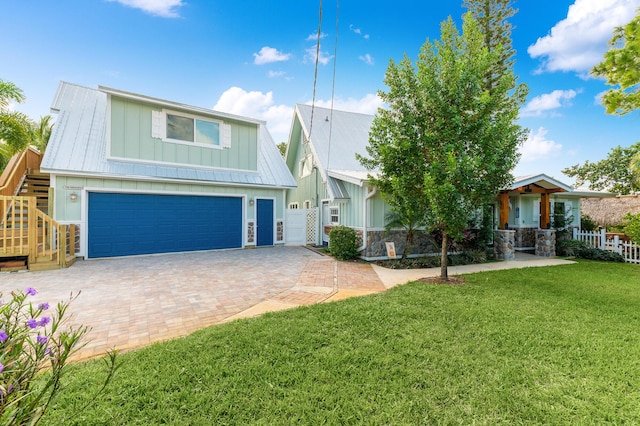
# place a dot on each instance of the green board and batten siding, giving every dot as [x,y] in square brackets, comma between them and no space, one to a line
[131,138]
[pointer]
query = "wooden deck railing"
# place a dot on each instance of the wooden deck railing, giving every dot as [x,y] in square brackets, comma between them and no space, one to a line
[27,231]
[17,167]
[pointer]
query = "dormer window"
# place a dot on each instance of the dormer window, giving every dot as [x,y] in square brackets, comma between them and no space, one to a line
[176,127]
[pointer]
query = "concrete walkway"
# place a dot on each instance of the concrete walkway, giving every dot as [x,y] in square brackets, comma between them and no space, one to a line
[134,302]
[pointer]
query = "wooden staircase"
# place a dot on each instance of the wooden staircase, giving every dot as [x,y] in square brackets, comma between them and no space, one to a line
[36,184]
[29,238]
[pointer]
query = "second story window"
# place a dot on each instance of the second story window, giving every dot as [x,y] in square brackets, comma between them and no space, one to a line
[189,129]
[177,127]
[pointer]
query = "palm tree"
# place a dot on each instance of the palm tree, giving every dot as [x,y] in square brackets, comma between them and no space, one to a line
[15,127]
[40,132]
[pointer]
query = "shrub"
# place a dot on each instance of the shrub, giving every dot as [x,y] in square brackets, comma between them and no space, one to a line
[569,247]
[597,254]
[632,227]
[343,243]
[588,224]
[34,351]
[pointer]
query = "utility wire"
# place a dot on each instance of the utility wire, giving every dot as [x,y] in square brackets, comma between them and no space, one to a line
[333,84]
[315,75]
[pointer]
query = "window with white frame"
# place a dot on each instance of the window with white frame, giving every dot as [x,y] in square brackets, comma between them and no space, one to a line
[293,205]
[307,204]
[334,213]
[178,127]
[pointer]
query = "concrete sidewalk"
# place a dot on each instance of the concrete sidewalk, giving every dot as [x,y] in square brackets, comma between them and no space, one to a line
[393,277]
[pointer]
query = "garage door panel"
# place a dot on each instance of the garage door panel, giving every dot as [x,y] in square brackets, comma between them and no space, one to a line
[128,224]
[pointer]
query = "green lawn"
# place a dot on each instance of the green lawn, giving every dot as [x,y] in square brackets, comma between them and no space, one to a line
[556,345]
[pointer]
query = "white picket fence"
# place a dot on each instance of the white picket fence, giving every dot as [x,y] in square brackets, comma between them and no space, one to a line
[628,250]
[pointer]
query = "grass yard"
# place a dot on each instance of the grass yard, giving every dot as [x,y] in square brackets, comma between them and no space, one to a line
[555,345]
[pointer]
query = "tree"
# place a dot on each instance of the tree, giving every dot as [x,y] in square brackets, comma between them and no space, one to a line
[611,173]
[620,68]
[14,126]
[447,128]
[282,147]
[40,133]
[492,17]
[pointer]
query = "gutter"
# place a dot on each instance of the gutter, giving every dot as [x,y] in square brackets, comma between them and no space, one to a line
[368,197]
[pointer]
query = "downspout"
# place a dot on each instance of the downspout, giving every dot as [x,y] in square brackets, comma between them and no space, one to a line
[369,195]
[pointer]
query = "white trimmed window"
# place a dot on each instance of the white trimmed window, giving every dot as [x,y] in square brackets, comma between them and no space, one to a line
[307,204]
[334,214]
[293,205]
[171,126]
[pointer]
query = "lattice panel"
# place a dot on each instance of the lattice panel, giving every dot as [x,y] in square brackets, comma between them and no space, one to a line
[312,225]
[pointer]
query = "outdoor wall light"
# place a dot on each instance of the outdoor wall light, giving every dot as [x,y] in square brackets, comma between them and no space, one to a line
[251,201]
[73,197]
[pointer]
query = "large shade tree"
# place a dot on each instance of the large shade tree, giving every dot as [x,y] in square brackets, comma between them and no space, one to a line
[448,136]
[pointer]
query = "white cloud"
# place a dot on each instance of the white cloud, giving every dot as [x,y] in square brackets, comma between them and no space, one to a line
[368,104]
[276,74]
[367,59]
[258,105]
[578,42]
[538,147]
[548,102]
[163,8]
[267,55]
[358,31]
[314,36]
[323,57]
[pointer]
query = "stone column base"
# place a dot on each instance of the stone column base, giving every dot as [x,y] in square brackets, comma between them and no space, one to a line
[546,242]
[504,244]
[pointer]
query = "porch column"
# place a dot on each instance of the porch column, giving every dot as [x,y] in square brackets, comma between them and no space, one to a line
[504,211]
[545,211]
[504,244]
[546,242]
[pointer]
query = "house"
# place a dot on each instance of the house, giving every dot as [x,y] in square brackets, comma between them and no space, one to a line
[532,206]
[321,155]
[135,175]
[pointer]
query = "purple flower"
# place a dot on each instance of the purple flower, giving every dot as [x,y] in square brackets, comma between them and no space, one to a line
[44,321]
[44,306]
[42,339]
[32,323]
[31,291]
[3,336]
[1,368]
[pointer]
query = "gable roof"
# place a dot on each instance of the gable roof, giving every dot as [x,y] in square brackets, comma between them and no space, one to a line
[336,137]
[78,145]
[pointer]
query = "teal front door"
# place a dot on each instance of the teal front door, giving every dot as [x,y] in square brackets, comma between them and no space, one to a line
[264,217]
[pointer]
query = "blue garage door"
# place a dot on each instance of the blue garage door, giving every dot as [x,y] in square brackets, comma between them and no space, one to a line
[129,224]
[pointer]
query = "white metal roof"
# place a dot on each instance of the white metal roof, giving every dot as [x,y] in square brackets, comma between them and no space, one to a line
[78,146]
[336,136]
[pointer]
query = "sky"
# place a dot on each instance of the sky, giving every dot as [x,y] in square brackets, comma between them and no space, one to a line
[258,59]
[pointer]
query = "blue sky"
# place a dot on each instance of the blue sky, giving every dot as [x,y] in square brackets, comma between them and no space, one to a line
[257,58]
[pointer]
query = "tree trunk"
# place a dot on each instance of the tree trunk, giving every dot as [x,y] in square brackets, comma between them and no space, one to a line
[444,259]
[408,244]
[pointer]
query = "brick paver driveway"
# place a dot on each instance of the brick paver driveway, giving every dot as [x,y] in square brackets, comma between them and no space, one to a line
[136,301]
